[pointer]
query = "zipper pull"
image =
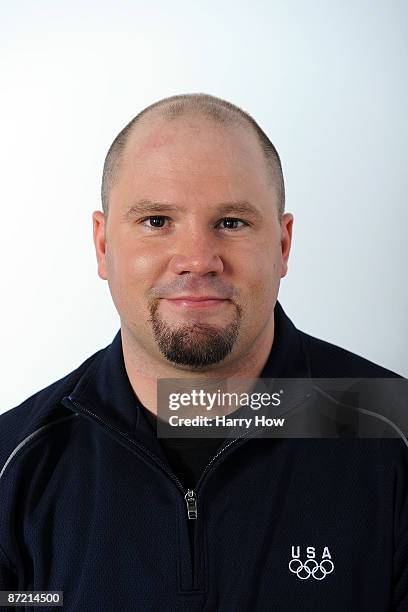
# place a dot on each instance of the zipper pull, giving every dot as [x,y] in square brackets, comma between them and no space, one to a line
[191,501]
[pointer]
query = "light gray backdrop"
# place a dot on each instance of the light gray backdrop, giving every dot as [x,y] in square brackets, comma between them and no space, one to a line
[326,80]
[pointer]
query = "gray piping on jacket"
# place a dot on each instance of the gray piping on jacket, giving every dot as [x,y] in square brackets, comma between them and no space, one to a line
[30,436]
[373,414]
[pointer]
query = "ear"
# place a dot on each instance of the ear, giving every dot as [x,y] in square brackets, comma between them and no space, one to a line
[286,241]
[100,242]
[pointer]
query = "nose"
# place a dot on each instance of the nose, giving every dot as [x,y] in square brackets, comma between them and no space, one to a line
[198,254]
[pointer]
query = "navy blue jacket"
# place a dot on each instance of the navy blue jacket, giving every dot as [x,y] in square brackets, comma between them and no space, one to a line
[89,504]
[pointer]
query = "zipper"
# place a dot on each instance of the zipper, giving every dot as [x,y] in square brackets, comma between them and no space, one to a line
[191,501]
[191,495]
[192,510]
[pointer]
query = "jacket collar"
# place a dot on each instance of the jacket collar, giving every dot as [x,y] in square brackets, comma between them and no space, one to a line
[105,389]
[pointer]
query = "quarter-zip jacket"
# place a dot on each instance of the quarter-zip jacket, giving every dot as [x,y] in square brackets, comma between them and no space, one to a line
[89,505]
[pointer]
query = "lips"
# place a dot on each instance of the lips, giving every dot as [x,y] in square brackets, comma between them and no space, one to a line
[196,298]
[195,301]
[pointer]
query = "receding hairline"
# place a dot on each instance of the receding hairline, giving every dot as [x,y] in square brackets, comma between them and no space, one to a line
[198,105]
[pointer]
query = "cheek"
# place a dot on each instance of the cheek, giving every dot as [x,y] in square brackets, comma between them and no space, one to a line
[132,262]
[131,273]
[263,286]
[260,271]
[260,287]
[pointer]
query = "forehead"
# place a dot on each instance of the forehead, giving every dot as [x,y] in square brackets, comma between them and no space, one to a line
[191,158]
[195,137]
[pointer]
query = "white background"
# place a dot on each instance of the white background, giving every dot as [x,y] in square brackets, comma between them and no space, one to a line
[326,80]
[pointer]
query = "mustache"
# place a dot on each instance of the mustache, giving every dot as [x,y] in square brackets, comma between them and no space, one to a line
[189,283]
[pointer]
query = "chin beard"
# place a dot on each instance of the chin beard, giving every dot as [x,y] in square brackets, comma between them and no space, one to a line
[194,344]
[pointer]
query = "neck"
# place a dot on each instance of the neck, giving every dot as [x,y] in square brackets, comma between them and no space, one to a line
[143,370]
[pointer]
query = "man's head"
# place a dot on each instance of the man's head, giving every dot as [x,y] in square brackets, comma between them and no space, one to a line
[193,201]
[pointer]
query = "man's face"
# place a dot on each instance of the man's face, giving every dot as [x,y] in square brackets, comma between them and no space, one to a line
[193,215]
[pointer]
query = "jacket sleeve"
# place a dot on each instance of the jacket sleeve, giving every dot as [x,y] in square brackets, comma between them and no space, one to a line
[400,569]
[8,578]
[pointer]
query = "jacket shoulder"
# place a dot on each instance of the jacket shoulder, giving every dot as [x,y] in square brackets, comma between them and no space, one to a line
[328,360]
[38,410]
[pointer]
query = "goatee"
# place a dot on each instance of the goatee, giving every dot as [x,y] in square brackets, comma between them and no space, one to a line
[194,344]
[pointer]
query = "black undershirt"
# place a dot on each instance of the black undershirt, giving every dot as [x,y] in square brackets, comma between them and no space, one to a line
[188,457]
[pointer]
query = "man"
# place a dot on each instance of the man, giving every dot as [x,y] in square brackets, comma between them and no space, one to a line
[193,241]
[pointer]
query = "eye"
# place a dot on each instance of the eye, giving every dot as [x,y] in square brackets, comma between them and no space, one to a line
[157,221]
[231,223]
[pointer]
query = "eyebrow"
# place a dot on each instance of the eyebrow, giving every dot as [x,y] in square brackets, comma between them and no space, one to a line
[144,207]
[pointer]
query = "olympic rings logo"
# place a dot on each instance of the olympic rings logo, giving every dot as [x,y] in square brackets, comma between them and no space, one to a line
[311,568]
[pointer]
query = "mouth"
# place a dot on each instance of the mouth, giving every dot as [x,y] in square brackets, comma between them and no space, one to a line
[195,302]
